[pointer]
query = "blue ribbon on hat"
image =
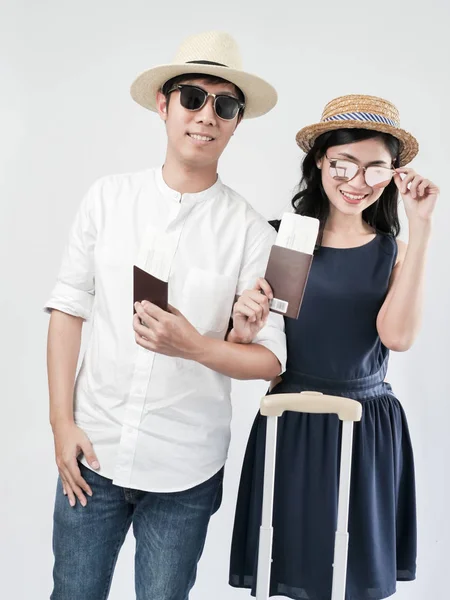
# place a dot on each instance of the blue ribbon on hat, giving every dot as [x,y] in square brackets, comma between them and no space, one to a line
[362,116]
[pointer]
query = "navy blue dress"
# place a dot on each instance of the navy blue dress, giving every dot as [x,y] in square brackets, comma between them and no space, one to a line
[334,348]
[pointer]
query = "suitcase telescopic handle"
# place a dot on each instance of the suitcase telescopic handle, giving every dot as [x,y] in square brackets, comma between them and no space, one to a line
[348,411]
[311,402]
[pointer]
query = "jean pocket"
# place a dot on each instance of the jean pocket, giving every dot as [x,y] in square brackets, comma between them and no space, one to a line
[219,496]
[90,476]
[205,498]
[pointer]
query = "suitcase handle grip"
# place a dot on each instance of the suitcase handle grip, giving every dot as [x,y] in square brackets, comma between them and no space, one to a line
[311,402]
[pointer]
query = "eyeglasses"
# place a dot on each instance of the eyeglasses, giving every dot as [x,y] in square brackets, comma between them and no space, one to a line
[194,98]
[346,170]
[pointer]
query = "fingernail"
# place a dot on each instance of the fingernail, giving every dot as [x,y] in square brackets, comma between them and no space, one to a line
[95,464]
[136,304]
[83,503]
[72,503]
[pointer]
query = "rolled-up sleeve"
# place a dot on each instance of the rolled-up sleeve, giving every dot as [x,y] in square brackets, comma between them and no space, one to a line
[273,338]
[272,335]
[75,287]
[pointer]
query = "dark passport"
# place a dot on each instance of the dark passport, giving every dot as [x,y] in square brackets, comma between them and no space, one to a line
[147,287]
[287,274]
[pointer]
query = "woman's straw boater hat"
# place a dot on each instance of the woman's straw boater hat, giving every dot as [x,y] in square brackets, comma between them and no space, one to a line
[362,112]
[212,53]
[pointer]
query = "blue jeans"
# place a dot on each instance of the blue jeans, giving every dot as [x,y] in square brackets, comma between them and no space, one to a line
[170,531]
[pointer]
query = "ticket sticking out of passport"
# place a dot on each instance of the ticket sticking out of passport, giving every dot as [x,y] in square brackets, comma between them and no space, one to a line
[148,287]
[290,262]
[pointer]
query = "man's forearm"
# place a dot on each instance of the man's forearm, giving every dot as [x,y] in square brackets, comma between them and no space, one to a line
[239,361]
[63,348]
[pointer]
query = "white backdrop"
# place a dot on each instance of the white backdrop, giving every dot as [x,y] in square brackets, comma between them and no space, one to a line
[66,118]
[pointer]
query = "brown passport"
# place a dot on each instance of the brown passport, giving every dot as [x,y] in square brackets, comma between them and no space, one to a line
[148,287]
[287,274]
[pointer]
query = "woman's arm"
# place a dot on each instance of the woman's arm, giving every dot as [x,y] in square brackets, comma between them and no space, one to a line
[399,318]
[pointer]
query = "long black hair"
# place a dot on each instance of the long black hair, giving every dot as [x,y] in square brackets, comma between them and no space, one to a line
[312,201]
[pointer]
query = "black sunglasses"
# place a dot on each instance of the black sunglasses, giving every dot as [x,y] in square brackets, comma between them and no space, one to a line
[194,98]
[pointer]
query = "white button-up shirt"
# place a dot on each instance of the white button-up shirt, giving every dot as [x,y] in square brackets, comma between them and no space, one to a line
[159,423]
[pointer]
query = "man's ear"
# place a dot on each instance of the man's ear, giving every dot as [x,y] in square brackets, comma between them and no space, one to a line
[161,105]
[238,120]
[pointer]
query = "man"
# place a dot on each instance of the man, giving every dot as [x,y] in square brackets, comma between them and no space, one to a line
[141,437]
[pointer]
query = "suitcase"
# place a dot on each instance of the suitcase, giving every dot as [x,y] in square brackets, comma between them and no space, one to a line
[348,411]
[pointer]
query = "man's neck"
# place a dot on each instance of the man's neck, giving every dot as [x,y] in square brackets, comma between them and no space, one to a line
[186,179]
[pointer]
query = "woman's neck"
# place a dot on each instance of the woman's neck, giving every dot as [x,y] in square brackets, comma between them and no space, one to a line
[346,225]
[346,231]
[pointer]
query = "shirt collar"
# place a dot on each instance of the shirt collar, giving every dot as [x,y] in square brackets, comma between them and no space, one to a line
[178,197]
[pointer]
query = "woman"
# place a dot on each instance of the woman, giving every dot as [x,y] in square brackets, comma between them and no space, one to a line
[363,299]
